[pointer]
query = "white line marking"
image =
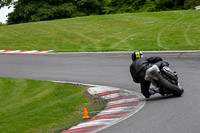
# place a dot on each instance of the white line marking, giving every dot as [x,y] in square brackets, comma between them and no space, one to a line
[123,101]
[100,89]
[114,95]
[142,103]
[94,123]
[25,52]
[116,110]
[29,51]
[120,52]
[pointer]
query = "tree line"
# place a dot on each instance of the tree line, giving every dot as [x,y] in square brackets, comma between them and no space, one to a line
[39,10]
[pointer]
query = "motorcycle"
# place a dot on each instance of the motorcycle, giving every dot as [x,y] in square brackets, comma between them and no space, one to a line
[165,79]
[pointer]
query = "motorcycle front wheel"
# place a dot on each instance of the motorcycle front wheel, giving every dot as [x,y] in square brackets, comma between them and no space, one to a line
[171,88]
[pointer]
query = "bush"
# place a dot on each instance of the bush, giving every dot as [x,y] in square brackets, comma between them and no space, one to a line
[121,6]
[191,3]
[2,24]
[149,7]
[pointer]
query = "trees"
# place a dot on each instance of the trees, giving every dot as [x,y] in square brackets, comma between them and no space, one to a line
[120,6]
[37,10]
[169,4]
[191,3]
[1,24]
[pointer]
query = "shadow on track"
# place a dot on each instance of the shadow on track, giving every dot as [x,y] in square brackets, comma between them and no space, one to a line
[155,98]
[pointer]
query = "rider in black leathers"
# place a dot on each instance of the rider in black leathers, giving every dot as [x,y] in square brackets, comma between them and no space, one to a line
[138,70]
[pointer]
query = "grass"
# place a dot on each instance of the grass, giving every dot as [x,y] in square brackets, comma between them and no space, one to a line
[168,30]
[39,106]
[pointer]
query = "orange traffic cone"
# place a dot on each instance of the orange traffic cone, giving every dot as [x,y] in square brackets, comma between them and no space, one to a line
[85,113]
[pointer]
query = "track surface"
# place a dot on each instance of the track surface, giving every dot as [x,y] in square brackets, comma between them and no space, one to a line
[159,115]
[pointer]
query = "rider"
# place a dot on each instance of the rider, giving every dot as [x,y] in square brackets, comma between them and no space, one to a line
[138,71]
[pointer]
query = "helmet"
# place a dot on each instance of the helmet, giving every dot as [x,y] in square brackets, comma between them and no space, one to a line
[136,54]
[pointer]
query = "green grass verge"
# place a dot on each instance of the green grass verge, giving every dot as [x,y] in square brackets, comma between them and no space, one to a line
[39,106]
[167,30]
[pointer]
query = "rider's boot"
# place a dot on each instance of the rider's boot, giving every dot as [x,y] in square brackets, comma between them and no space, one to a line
[153,91]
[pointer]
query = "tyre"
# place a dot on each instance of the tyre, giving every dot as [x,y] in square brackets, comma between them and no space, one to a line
[171,88]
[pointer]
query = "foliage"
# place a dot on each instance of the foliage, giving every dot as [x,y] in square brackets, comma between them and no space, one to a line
[37,10]
[149,6]
[169,4]
[2,24]
[120,6]
[191,3]
[117,6]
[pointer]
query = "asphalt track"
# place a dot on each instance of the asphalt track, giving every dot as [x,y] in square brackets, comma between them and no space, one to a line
[159,115]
